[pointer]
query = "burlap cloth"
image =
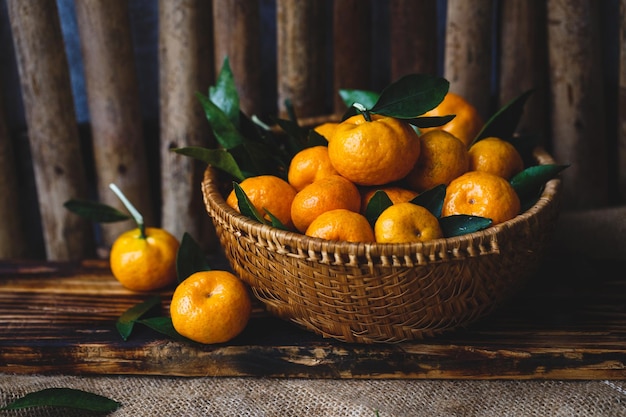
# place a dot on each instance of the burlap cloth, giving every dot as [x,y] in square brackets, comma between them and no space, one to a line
[159,396]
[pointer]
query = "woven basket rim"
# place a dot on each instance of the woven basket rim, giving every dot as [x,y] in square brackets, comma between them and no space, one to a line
[303,244]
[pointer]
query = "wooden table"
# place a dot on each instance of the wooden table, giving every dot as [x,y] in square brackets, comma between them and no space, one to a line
[569,323]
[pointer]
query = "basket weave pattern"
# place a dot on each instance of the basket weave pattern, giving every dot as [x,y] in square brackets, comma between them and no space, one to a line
[385,293]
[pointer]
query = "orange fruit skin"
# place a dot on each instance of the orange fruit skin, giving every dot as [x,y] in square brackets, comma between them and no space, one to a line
[267,192]
[210,307]
[144,264]
[333,192]
[309,165]
[395,193]
[443,157]
[483,194]
[326,129]
[406,223]
[467,122]
[341,224]
[496,156]
[373,152]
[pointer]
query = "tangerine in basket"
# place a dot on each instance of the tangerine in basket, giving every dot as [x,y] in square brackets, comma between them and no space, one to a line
[210,307]
[405,223]
[373,152]
[479,193]
[326,129]
[497,156]
[308,165]
[395,193]
[329,193]
[341,224]
[467,121]
[443,157]
[267,193]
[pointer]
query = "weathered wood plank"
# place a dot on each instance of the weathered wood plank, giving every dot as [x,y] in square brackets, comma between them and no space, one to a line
[570,323]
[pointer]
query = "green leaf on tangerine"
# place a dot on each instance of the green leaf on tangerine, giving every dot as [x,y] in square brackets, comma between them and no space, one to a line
[276,221]
[377,204]
[461,224]
[225,131]
[432,199]
[190,258]
[224,93]
[411,96]
[504,122]
[66,398]
[529,182]
[217,158]
[94,211]
[365,97]
[245,205]
[431,121]
[126,322]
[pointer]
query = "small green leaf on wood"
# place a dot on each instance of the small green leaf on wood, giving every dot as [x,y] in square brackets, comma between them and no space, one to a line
[190,258]
[245,205]
[529,182]
[94,211]
[66,398]
[504,122]
[461,224]
[126,322]
[379,202]
[432,199]
[217,158]
[411,96]
[164,326]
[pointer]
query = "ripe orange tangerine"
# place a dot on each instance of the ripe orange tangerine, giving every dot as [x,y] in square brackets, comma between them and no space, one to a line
[341,224]
[467,122]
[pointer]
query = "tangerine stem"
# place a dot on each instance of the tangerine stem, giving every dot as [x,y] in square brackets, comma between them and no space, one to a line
[361,108]
[133,211]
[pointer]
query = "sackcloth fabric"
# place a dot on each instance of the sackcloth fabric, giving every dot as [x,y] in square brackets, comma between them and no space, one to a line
[176,396]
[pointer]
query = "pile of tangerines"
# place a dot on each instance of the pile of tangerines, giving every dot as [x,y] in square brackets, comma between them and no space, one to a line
[328,187]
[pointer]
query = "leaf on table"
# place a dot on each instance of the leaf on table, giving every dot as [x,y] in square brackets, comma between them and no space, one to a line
[190,258]
[164,326]
[94,211]
[67,398]
[126,322]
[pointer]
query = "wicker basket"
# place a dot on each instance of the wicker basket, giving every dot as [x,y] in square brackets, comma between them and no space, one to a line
[385,293]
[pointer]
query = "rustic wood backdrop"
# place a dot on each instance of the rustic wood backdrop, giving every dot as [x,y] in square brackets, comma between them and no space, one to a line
[573,53]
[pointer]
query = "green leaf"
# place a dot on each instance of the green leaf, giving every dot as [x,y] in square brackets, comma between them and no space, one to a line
[245,205]
[224,94]
[461,224]
[190,258]
[276,221]
[432,199]
[225,131]
[365,97]
[377,204]
[164,326]
[217,158]
[95,211]
[67,398]
[529,182]
[411,96]
[126,321]
[431,121]
[504,122]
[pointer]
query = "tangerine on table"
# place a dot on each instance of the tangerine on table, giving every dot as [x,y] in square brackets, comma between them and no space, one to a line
[267,193]
[405,223]
[373,152]
[341,224]
[443,157]
[467,122]
[497,156]
[329,193]
[395,193]
[479,193]
[309,165]
[144,263]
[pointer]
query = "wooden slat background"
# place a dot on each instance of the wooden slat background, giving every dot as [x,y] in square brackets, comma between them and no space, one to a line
[572,52]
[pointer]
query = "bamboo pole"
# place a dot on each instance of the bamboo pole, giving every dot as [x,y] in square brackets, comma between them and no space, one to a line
[12,239]
[468,49]
[113,98]
[578,124]
[185,67]
[52,129]
[301,27]
[413,37]
[352,48]
[238,36]
[523,62]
